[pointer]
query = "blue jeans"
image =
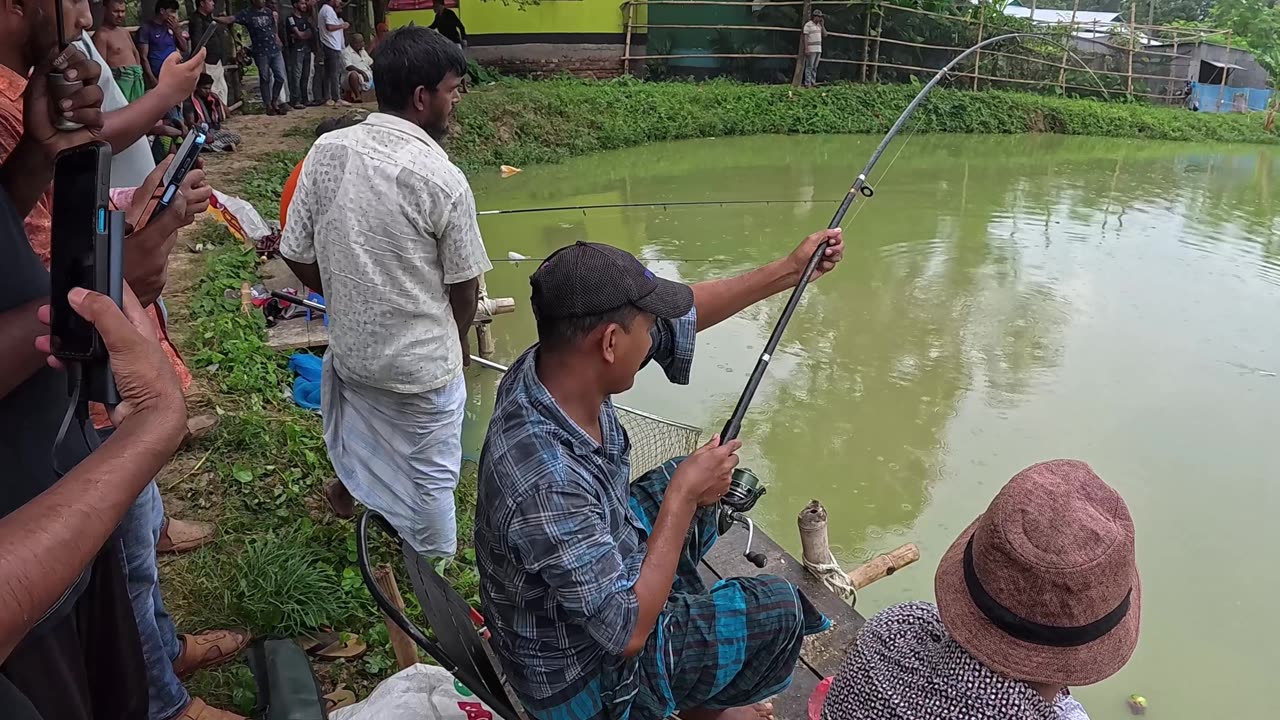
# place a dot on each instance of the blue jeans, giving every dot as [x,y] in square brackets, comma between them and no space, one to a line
[271,76]
[140,531]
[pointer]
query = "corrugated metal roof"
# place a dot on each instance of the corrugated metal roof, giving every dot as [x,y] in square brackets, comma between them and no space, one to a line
[1228,66]
[1063,17]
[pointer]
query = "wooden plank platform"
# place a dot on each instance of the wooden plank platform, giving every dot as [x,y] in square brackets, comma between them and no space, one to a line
[822,654]
[299,334]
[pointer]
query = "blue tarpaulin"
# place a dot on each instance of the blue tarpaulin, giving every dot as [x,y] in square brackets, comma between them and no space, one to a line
[306,387]
[1255,99]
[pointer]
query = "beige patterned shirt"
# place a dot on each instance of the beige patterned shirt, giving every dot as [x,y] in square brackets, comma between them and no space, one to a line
[392,223]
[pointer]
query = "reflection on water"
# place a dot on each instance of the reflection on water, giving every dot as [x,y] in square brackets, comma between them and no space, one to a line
[1003,301]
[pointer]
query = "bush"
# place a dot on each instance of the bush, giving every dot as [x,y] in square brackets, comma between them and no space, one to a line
[521,122]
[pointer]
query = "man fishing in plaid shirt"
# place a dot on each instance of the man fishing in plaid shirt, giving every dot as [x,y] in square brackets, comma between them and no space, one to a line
[588,582]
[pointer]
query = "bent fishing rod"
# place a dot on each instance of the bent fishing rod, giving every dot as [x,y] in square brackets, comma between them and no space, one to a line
[664,205]
[745,488]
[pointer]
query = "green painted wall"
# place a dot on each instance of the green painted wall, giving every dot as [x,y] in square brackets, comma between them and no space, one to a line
[493,17]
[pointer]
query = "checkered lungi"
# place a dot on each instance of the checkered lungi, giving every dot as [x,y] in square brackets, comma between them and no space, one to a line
[732,645]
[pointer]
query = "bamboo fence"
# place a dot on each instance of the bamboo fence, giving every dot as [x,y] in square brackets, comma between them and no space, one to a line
[1128,55]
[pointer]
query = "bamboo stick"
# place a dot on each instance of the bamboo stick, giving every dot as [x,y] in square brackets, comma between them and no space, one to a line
[1222,87]
[406,652]
[977,55]
[1173,69]
[797,75]
[1133,36]
[630,13]
[866,45]
[875,63]
[883,566]
[1062,74]
[720,27]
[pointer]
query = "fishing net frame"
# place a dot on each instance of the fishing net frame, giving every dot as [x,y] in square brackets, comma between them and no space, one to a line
[654,439]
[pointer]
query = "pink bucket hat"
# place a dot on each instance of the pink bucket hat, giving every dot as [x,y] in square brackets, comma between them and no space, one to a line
[1043,587]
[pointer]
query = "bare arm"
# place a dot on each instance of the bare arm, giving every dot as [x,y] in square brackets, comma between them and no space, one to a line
[464,298]
[658,570]
[700,480]
[123,127]
[718,300]
[45,544]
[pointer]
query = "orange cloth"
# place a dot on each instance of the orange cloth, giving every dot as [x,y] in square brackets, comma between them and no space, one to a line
[39,222]
[286,196]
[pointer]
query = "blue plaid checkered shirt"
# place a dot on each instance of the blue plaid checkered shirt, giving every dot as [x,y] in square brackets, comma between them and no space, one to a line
[558,547]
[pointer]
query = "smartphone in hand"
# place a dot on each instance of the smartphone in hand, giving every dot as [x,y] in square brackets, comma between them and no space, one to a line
[81,248]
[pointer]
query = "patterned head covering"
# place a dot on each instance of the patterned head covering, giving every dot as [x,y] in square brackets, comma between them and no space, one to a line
[906,666]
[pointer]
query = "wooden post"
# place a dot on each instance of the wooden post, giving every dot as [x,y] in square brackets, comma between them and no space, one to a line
[814,543]
[484,340]
[246,298]
[977,55]
[883,566]
[1033,12]
[798,75]
[1173,68]
[875,67]
[866,40]
[816,551]
[1133,38]
[1062,73]
[406,652]
[630,13]
[1226,60]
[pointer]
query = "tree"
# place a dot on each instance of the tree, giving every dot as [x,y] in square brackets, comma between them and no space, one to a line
[1254,26]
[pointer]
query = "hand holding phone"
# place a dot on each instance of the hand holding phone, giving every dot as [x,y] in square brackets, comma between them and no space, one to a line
[41,106]
[81,248]
[178,168]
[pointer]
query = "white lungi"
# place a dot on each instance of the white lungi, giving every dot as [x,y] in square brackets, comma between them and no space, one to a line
[399,454]
[219,75]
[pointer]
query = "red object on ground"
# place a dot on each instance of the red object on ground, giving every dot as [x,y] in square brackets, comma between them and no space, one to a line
[818,697]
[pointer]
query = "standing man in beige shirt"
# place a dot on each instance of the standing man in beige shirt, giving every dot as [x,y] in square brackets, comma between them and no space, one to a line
[401,285]
[814,32]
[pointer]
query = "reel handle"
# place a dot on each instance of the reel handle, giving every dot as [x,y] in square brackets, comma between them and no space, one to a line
[755,558]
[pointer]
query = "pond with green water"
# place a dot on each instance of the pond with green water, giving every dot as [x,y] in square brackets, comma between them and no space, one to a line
[1003,300]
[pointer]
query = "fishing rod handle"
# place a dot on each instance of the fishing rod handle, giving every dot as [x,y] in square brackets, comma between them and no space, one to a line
[734,424]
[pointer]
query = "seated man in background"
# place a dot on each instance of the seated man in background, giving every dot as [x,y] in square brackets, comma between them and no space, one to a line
[359,66]
[589,583]
[1039,594]
[205,110]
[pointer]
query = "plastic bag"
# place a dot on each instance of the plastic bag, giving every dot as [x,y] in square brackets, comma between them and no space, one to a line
[306,387]
[239,216]
[421,692]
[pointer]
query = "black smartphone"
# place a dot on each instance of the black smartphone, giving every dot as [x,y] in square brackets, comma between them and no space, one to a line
[204,40]
[188,153]
[80,249]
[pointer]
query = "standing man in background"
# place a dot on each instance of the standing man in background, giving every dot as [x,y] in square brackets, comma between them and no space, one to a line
[448,24]
[160,37]
[215,49]
[394,395]
[332,42]
[118,49]
[298,36]
[261,21]
[814,31]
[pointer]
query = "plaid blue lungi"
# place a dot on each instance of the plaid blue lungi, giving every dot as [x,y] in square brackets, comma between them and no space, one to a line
[732,645]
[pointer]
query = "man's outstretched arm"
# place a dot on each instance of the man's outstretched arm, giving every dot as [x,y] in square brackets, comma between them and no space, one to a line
[718,300]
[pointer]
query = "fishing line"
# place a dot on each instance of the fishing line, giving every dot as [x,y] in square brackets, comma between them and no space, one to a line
[664,205]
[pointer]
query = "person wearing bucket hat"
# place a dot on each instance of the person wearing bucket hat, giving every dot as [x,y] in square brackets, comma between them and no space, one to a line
[589,582]
[1040,593]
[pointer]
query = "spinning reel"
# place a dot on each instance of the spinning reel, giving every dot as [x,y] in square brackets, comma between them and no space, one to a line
[744,491]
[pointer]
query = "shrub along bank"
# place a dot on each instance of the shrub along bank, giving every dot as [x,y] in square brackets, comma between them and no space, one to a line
[522,122]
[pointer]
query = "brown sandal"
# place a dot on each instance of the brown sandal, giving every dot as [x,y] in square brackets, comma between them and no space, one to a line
[208,649]
[179,536]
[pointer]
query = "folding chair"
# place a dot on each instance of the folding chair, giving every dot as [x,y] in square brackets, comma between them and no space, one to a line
[458,645]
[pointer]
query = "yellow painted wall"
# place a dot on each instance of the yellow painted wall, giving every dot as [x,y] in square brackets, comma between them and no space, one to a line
[493,17]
